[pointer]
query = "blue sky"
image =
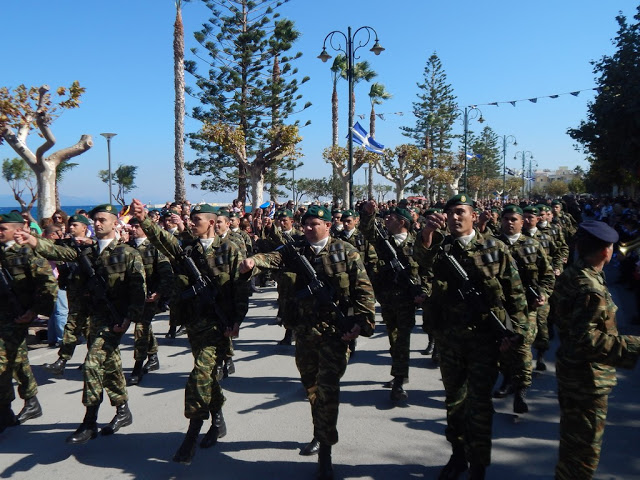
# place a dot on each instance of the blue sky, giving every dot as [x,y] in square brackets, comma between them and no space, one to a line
[121,52]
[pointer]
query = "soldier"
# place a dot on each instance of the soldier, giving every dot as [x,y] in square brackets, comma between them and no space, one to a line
[432,348]
[401,293]
[590,350]
[321,338]
[336,219]
[114,275]
[538,280]
[78,318]
[27,288]
[234,226]
[211,320]
[469,338]
[564,219]
[159,277]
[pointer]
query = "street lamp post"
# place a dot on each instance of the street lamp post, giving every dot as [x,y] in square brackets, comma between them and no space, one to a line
[349,50]
[524,154]
[465,119]
[531,173]
[506,140]
[109,136]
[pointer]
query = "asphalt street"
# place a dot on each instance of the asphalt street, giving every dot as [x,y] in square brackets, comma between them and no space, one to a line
[268,417]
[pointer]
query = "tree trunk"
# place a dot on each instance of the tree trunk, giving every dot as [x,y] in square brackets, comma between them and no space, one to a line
[178,71]
[257,185]
[334,132]
[46,190]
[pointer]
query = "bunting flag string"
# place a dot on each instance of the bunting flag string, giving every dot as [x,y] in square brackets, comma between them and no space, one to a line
[362,116]
[535,99]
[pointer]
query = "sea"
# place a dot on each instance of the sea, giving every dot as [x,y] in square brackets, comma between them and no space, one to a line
[68,209]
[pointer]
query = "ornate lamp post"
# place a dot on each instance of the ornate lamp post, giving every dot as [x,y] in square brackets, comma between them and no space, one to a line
[524,154]
[109,136]
[506,140]
[467,114]
[349,49]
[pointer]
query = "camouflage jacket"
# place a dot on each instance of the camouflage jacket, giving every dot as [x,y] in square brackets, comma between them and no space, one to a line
[590,345]
[157,269]
[534,266]
[567,222]
[367,251]
[246,240]
[277,237]
[340,266]
[561,246]
[490,268]
[31,281]
[549,246]
[219,263]
[121,268]
[396,289]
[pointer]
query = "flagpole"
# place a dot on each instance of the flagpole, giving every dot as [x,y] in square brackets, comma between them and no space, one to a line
[505,141]
[524,155]
[349,50]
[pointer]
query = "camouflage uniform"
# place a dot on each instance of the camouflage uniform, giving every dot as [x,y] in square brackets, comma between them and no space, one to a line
[321,354]
[159,277]
[590,350]
[123,272]
[35,289]
[205,331]
[367,251]
[465,336]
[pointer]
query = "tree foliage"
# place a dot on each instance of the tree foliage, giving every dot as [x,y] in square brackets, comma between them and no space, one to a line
[611,134]
[20,177]
[124,177]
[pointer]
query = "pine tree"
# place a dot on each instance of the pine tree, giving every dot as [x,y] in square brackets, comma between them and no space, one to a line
[484,167]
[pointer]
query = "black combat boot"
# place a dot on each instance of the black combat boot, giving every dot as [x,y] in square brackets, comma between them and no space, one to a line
[229,368]
[137,373]
[456,466]
[88,429]
[188,448]
[429,349]
[477,471]
[218,430]
[7,417]
[397,392]
[122,418]
[31,409]
[288,336]
[152,364]
[172,332]
[57,367]
[311,448]
[540,365]
[352,346]
[519,401]
[181,331]
[325,469]
[218,370]
[506,387]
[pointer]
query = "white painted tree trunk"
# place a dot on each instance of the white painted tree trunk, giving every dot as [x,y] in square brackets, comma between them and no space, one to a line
[257,185]
[46,190]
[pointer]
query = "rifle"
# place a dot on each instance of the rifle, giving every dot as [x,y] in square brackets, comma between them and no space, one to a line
[97,286]
[315,287]
[470,294]
[400,272]
[202,288]
[7,293]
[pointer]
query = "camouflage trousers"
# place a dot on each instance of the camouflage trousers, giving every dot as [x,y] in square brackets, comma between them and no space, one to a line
[469,368]
[582,421]
[541,341]
[203,394]
[322,362]
[103,369]
[399,318]
[517,362]
[14,363]
[144,341]
[77,324]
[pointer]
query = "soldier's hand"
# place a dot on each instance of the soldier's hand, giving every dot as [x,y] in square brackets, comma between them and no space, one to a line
[484,217]
[26,317]
[25,238]
[122,326]
[232,332]
[369,207]
[152,298]
[247,265]
[433,222]
[83,240]
[540,301]
[268,223]
[557,272]
[137,210]
[352,334]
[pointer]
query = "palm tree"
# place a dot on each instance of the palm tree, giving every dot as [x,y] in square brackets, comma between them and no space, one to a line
[377,95]
[178,73]
[63,167]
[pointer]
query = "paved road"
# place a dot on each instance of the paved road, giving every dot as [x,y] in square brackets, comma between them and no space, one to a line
[268,418]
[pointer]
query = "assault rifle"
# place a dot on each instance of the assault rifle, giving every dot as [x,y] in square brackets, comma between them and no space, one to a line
[97,286]
[202,288]
[8,295]
[471,295]
[321,291]
[400,272]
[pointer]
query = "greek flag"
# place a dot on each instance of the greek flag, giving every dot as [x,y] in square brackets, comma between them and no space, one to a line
[472,155]
[361,137]
[511,172]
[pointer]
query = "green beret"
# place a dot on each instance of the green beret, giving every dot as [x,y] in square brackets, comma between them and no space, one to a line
[204,208]
[284,213]
[460,199]
[79,219]
[431,211]
[336,210]
[134,221]
[543,208]
[531,209]
[317,211]
[512,209]
[350,213]
[401,212]
[12,217]
[556,202]
[105,207]
[495,210]
[234,214]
